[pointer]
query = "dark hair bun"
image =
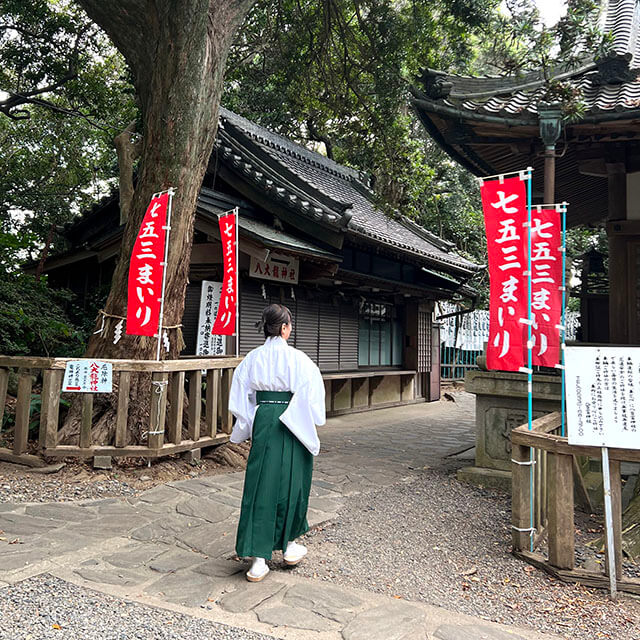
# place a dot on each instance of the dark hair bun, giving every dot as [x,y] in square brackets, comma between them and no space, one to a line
[273,317]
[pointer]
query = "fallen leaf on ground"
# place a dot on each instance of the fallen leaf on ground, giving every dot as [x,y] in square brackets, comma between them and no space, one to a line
[55,625]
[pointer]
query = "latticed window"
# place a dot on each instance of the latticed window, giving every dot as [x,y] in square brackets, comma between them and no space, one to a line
[380,336]
[424,341]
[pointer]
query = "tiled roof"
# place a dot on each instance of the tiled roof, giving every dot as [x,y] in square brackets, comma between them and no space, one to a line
[610,86]
[322,189]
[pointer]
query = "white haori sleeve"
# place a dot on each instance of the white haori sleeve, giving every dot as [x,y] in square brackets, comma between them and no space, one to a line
[307,407]
[242,404]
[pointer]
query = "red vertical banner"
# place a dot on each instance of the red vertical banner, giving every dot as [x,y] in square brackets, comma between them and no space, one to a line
[504,203]
[225,323]
[146,270]
[546,286]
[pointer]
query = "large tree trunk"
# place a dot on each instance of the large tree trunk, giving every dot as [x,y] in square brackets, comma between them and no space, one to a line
[177,53]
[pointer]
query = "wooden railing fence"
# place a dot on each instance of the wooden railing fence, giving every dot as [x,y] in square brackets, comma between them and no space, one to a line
[553,502]
[209,421]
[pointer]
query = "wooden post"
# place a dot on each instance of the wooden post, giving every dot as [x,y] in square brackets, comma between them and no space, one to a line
[23,410]
[227,420]
[616,513]
[211,405]
[618,260]
[50,408]
[195,404]
[122,416]
[87,419]
[159,382]
[520,505]
[560,518]
[176,407]
[4,381]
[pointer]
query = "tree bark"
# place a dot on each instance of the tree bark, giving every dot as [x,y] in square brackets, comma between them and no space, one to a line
[127,151]
[177,53]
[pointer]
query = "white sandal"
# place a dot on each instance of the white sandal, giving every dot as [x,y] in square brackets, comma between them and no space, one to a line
[294,555]
[257,577]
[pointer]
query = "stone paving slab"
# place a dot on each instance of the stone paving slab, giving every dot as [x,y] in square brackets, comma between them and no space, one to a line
[112,575]
[393,621]
[183,587]
[329,602]
[473,632]
[61,511]
[24,525]
[205,509]
[134,555]
[250,595]
[283,616]
[175,542]
[173,559]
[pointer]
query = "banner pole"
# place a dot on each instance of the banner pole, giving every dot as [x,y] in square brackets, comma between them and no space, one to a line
[170,191]
[530,358]
[563,213]
[237,214]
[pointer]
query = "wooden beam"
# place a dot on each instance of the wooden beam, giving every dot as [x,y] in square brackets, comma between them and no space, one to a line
[176,407]
[23,412]
[558,444]
[6,455]
[616,514]
[520,498]
[560,525]
[133,451]
[185,364]
[50,407]
[211,403]
[124,389]
[587,578]
[195,404]
[87,420]
[158,413]
[4,381]
[227,418]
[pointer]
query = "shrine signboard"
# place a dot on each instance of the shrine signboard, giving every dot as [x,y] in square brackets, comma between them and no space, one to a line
[603,396]
[88,376]
[277,268]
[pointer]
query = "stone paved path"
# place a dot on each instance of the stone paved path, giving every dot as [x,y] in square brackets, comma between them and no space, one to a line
[172,546]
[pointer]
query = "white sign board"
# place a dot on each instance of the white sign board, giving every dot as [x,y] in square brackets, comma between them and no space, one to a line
[277,268]
[603,396]
[88,376]
[207,344]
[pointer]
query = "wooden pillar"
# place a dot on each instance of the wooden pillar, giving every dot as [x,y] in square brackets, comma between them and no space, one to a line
[618,267]
[616,514]
[520,498]
[549,175]
[560,514]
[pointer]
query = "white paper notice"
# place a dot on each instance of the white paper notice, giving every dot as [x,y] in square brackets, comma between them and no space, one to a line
[603,396]
[88,376]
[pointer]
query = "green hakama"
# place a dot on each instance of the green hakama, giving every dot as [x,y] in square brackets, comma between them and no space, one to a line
[277,482]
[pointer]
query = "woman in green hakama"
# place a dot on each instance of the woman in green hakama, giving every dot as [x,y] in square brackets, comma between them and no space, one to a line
[277,396]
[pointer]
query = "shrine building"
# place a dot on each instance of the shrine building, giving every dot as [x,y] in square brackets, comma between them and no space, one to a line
[361,284]
[493,125]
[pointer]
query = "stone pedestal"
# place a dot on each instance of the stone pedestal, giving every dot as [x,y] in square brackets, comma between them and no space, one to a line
[501,405]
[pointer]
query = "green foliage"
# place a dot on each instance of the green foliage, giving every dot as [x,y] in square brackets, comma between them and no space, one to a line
[64,94]
[33,320]
[525,44]
[335,76]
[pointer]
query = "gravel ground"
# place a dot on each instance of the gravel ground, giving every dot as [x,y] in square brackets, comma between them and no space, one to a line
[432,539]
[47,607]
[77,480]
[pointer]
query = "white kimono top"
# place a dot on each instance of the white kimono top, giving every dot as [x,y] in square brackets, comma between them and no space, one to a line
[275,366]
